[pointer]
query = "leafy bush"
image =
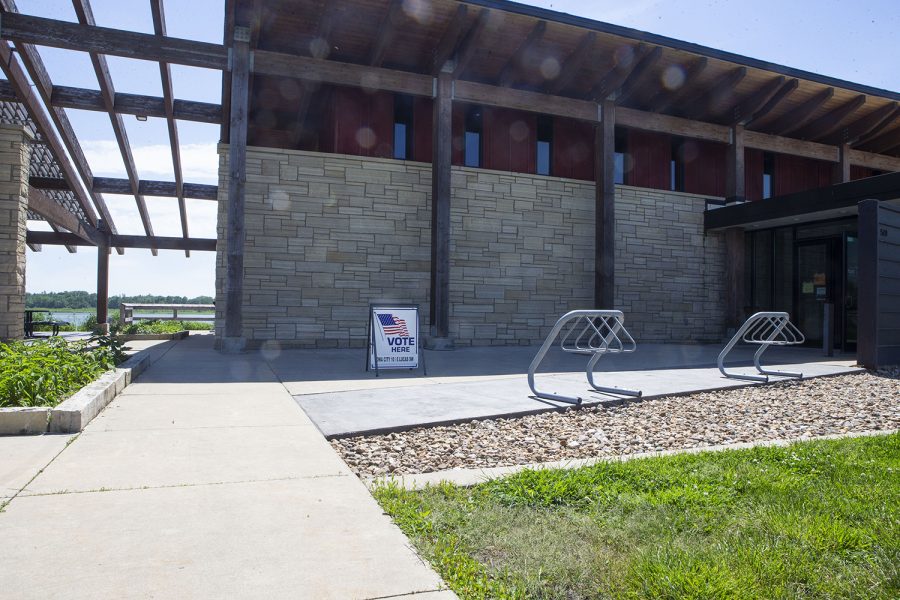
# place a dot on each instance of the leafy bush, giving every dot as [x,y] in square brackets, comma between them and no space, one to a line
[45,373]
[158,327]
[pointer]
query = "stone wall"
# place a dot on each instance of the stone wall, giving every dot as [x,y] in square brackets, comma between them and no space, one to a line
[328,234]
[14,160]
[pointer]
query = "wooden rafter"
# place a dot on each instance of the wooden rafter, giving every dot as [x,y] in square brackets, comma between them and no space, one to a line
[515,63]
[876,130]
[101,69]
[610,83]
[53,238]
[864,126]
[135,104]
[450,39]
[573,63]
[392,22]
[832,120]
[801,115]
[466,48]
[56,214]
[638,77]
[705,101]
[666,98]
[783,92]
[112,185]
[884,142]
[17,77]
[744,110]
[165,74]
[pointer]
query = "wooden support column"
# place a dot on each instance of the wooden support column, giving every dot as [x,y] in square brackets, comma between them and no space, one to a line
[605,187]
[842,166]
[734,238]
[237,158]
[440,214]
[102,283]
[735,183]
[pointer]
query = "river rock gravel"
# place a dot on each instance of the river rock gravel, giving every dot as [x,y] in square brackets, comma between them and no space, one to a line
[859,402]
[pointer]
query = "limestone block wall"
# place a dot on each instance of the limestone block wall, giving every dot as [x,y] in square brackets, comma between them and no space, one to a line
[14,160]
[328,234]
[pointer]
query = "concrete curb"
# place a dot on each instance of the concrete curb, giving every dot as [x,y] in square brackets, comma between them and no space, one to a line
[74,413]
[470,477]
[133,337]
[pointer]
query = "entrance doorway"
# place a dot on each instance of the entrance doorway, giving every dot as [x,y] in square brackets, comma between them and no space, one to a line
[826,273]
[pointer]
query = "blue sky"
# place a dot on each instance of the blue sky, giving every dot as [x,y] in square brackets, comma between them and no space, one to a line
[854,41]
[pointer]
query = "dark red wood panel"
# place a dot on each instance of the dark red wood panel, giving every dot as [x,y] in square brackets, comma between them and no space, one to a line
[573,149]
[423,117]
[651,156]
[458,154]
[860,172]
[704,168]
[754,165]
[797,174]
[361,123]
[510,139]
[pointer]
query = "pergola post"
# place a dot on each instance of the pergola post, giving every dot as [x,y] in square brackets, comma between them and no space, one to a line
[842,166]
[102,283]
[605,215]
[14,160]
[234,340]
[440,214]
[734,238]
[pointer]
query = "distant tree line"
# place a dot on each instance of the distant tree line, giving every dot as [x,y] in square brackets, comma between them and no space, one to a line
[87,300]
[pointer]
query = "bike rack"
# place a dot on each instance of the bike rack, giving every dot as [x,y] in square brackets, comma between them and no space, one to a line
[766,329]
[594,332]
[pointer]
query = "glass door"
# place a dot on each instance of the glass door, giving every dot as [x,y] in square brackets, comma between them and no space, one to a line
[818,266]
[851,293]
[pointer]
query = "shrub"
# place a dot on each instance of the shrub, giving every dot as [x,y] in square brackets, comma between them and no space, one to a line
[157,327]
[45,373]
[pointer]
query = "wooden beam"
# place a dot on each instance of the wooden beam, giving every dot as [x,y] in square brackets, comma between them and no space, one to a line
[864,126]
[880,162]
[101,70]
[165,74]
[134,104]
[786,90]
[604,210]
[885,141]
[114,42]
[442,135]
[744,110]
[449,40]
[842,166]
[111,185]
[56,214]
[638,119]
[237,170]
[52,238]
[35,247]
[634,82]
[394,18]
[571,66]
[70,248]
[831,121]
[666,98]
[613,80]
[704,102]
[478,93]
[102,286]
[48,183]
[515,63]
[792,146]
[466,48]
[800,116]
[19,80]
[734,167]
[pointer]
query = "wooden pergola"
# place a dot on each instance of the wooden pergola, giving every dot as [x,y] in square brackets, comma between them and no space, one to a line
[488,52]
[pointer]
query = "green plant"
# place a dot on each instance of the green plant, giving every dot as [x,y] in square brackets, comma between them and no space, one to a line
[45,373]
[110,347]
[160,327]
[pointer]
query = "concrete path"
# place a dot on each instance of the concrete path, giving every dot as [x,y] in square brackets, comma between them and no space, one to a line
[342,399]
[203,480]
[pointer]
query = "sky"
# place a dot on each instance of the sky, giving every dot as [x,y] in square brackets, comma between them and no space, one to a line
[853,41]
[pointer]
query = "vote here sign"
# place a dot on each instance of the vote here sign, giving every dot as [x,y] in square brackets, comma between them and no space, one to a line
[394,338]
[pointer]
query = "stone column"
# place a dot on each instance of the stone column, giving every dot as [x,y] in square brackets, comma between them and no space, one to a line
[15,156]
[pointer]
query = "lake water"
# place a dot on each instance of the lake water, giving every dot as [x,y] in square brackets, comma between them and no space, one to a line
[77,318]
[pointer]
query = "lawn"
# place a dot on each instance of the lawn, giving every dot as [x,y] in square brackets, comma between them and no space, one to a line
[812,520]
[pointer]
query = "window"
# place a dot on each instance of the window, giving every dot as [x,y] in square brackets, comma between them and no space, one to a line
[620,152]
[676,166]
[768,175]
[544,145]
[403,126]
[473,137]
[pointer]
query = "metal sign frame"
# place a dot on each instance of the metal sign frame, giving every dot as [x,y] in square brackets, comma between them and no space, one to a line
[372,347]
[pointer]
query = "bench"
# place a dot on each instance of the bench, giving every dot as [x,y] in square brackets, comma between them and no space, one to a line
[30,323]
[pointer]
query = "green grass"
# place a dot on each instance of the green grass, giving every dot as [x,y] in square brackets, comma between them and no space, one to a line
[47,372]
[813,520]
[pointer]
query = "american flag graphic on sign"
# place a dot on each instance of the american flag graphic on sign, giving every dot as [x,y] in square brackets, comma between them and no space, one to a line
[393,325]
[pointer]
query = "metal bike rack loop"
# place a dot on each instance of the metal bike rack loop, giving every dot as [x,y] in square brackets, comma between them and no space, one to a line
[594,332]
[765,329]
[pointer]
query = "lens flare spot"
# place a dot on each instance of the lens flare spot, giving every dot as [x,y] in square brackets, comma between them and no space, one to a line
[623,57]
[419,11]
[550,68]
[270,350]
[673,77]
[318,48]
[280,200]
[366,138]
[518,132]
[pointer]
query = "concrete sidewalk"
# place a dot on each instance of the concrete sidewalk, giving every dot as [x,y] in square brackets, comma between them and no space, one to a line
[204,480]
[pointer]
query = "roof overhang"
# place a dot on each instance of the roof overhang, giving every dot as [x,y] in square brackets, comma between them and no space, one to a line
[836,201]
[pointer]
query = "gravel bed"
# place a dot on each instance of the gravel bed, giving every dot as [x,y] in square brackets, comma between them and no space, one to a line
[786,410]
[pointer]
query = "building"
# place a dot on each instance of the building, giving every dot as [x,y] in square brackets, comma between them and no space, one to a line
[499,164]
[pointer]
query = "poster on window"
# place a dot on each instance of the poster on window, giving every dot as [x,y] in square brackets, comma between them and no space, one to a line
[394,337]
